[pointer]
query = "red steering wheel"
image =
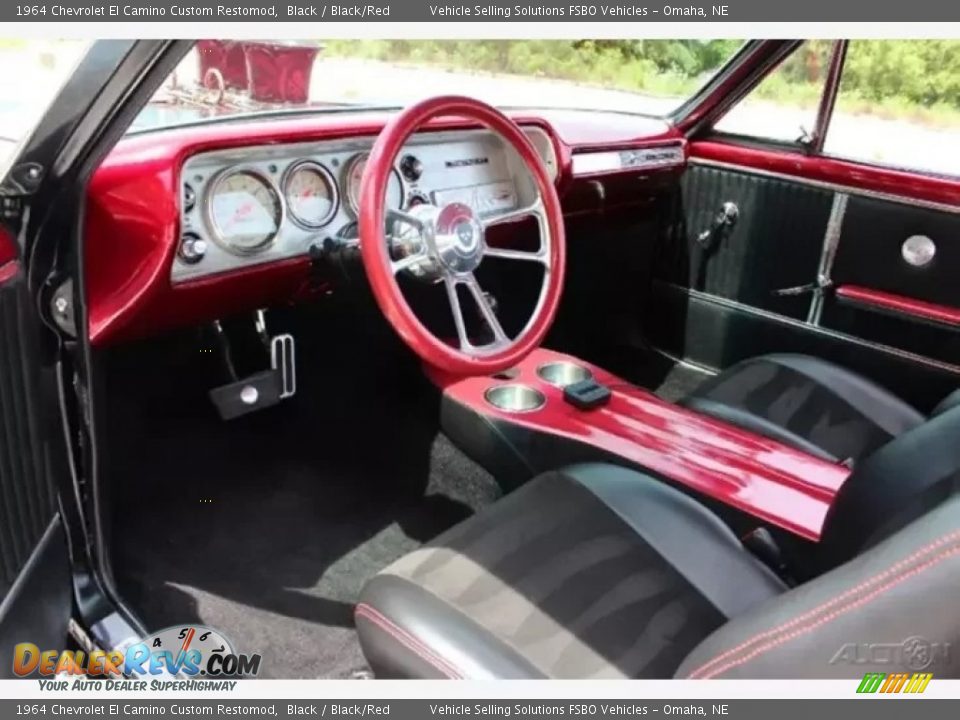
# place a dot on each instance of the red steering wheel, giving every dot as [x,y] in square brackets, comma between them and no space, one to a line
[446,244]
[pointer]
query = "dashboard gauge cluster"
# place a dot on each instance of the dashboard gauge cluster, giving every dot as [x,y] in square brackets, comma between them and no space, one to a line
[245,206]
[354,174]
[244,211]
[311,194]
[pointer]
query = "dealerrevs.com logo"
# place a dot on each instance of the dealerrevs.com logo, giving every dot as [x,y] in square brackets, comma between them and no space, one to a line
[190,651]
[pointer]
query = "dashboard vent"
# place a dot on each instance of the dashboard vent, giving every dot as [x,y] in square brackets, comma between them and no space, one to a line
[189,197]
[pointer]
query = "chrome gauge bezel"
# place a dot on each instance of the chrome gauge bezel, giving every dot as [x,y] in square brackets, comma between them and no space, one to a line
[348,171]
[217,233]
[331,181]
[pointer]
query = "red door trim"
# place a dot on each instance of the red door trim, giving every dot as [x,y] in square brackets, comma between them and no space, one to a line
[936,193]
[880,300]
[9,264]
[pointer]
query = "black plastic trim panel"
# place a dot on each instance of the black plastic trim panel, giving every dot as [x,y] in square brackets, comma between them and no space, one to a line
[717,333]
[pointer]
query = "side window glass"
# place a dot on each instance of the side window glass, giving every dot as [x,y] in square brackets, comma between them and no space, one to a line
[899,105]
[783,107]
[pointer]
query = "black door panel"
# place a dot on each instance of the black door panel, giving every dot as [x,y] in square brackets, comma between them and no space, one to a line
[869,256]
[774,244]
[36,607]
[913,334]
[719,333]
[35,600]
[869,253]
[716,308]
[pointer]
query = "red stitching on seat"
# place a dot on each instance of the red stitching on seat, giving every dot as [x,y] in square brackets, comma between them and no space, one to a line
[893,569]
[804,630]
[407,640]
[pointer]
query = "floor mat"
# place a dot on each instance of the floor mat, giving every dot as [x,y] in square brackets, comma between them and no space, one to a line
[266,527]
[277,564]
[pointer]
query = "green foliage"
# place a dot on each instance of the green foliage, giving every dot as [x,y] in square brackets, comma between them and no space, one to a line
[920,78]
[661,66]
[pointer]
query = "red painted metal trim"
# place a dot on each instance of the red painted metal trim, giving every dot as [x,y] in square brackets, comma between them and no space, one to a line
[132,222]
[828,99]
[9,270]
[842,173]
[732,84]
[376,256]
[899,304]
[758,475]
[8,247]
[9,264]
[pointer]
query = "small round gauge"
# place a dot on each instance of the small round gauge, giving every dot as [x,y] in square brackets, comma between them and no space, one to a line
[244,211]
[353,173]
[311,194]
[190,648]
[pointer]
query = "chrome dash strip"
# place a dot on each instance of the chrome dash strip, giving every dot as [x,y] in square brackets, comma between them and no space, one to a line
[831,241]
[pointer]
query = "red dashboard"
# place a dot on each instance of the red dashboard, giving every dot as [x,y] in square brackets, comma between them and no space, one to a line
[133,218]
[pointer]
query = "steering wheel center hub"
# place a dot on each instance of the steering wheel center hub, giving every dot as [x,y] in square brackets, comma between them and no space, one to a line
[458,238]
[452,236]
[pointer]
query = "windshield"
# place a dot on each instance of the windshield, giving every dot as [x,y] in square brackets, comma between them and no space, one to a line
[233,78]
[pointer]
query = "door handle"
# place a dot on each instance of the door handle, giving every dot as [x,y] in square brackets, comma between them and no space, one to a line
[722,223]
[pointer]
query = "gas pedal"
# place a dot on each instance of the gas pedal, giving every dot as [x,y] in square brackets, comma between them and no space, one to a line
[283,359]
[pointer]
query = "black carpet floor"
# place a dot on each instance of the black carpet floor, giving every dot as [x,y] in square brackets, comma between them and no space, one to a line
[266,527]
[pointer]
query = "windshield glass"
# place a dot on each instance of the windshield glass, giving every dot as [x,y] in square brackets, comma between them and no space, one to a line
[232,78]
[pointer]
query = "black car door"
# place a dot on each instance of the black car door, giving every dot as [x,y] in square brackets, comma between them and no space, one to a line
[49,566]
[35,598]
[841,240]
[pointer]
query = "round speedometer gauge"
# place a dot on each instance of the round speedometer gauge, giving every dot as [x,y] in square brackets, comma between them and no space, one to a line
[244,211]
[311,194]
[353,173]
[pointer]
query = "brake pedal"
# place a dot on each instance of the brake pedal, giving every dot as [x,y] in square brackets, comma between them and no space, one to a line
[262,389]
[254,392]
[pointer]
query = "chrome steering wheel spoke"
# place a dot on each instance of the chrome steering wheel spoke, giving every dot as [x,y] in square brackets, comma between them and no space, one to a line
[408,261]
[405,218]
[500,339]
[535,210]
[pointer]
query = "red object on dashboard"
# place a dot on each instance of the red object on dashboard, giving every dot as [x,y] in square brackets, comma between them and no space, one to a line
[758,475]
[279,72]
[225,57]
[899,304]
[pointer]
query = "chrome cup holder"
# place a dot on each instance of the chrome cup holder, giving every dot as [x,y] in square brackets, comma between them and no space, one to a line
[515,398]
[563,373]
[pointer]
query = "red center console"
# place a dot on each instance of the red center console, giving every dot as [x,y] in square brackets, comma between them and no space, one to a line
[755,474]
